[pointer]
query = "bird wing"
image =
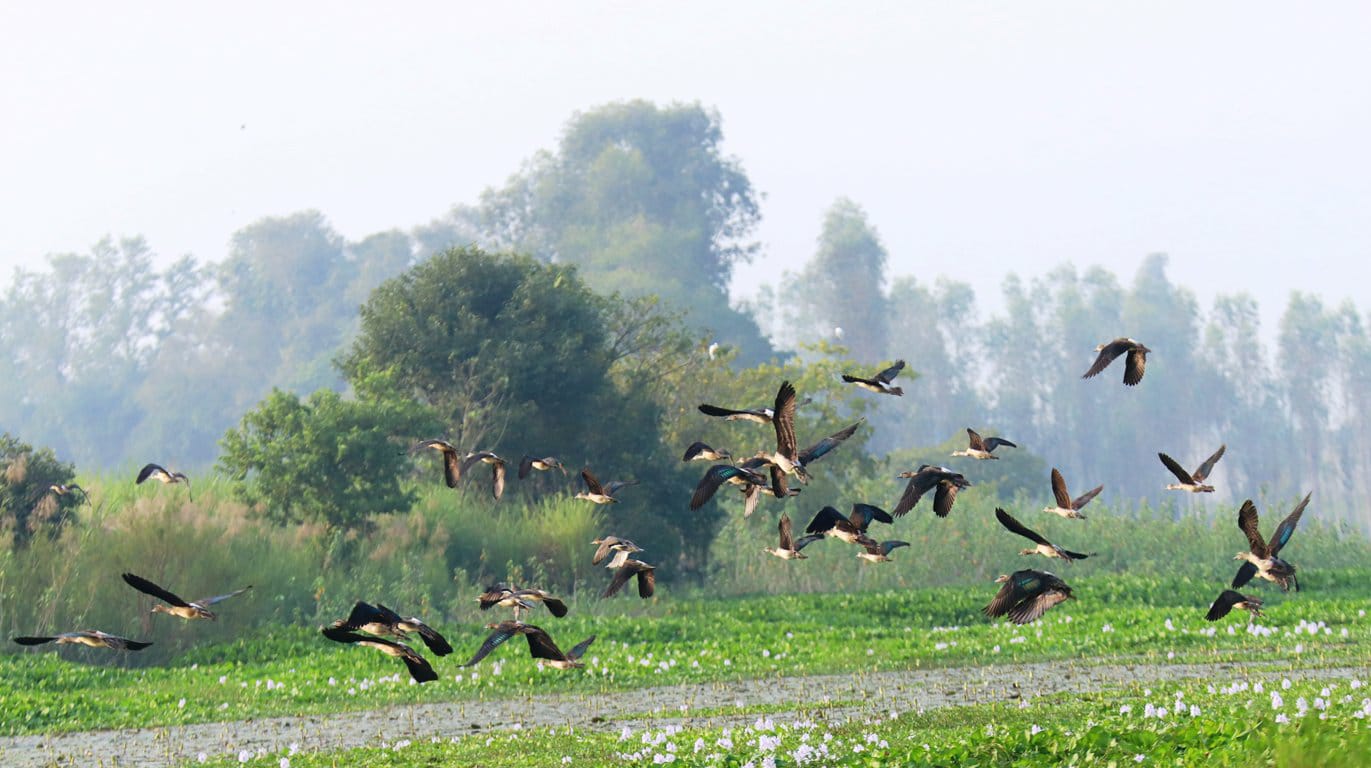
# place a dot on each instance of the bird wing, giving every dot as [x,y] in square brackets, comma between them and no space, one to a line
[714,477]
[540,645]
[850,379]
[784,421]
[525,466]
[578,650]
[779,487]
[825,520]
[208,601]
[502,632]
[33,640]
[696,448]
[805,541]
[974,438]
[1287,527]
[1003,600]
[1245,573]
[621,577]
[498,481]
[1107,354]
[1176,469]
[889,374]
[1084,498]
[783,527]
[714,410]
[1073,555]
[419,668]
[864,514]
[1008,521]
[148,588]
[452,468]
[602,551]
[751,495]
[343,634]
[1208,465]
[1248,523]
[149,470]
[612,487]
[913,491]
[888,546]
[363,614]
[435,642]
[1133,366]
[816,451]
[1033,608]
[945,496]
[647,581]
[592,484]
[1223,604]
[470,461]
[1059,490]
[991,443]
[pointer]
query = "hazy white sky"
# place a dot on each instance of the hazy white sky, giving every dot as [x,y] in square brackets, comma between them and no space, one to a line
[982,138]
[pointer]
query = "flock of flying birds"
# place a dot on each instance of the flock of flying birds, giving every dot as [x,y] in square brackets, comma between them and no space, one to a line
[1024,597]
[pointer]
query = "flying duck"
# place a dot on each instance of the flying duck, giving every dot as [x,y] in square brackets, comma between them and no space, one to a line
[540,645]
[570,660]
[601,494]
[1261,559]
[1192,481]
[528,464]
[1228,600]
[759,415]
[1042,546]
[879,552]
[1027,595]
[981,448]
[1066,506]
[621,548]
[177,607]
[925,479]
[698,451]
[785,460]
[520,600]
[789,548]
[418,666]
[452,463]
[62,489]
[160,474]
[497,466]
[647,579]
[719,474]
[1133,364]
[380,620]
[820,449]
[880,383]
[92,637]
[830,522]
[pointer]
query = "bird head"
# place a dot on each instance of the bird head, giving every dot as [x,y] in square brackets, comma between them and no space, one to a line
[896,390]
[1002,578]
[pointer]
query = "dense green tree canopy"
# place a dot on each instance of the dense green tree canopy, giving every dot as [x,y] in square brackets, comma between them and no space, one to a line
[27,504]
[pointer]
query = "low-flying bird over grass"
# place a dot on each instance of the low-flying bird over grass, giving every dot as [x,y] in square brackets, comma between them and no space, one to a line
[91,637]
[879,552]
[63,489]
[1192,481]
[789,548]
[508,596]
[1067,506]
[785,460]
[175,606]
[601,494]
[621,548]
[699,451]
[380,620]
[982,448]
[569,660]
[647,579]
[540,645]
[527,464]
[719,474]
[497,466]
[1027,595]
[926,478]
[1041,546]
[1228,600]
[452,462]
[1261,558]
[830,522]
[880,383]
[161,474]
[1133,364]
[418,666]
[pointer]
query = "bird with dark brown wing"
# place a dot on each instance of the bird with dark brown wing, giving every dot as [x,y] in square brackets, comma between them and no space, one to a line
[926,478]
[175,606]
[1066,506]
[1041,546]
[785,460]
[702,452]
[1192,481]
[597,493]
[647,578]
[852,529]
[1133,364]
[719,474]
[546,464]
[1027,595]
[880,383]
[418,666]
[540,644]
[1228,600]
[380,620]
[1261,559]
[90,637]
[982,448]
[789,548]
[497,466]
[162,475]
[621,548]
[452,463]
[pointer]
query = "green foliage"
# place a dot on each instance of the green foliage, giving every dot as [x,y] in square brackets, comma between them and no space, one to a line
[327,459]
[27,505]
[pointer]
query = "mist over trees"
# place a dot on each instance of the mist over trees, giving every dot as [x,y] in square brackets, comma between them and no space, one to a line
[592,341]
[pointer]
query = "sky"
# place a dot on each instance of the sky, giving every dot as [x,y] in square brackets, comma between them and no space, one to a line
[982,138]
